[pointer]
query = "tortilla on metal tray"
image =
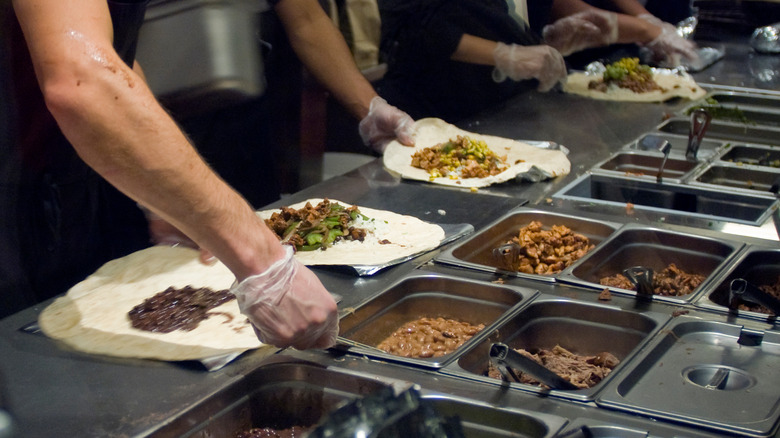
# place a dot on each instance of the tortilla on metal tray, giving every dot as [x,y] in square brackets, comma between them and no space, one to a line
[402,236]
[520,157]
[674,84]
[92,317]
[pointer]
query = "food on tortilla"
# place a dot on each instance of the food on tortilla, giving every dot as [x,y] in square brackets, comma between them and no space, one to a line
[671,281]
[532,163]
[389,237]
[538,250]
[628,80]
[461,157]
[177,309]
[583,371]
[93,316]
[429,337]
[318,227]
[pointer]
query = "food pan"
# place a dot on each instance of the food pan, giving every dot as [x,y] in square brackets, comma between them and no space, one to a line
[755,155]
[679,143]
[758,265]
[753,108]
[704,373]
[477,251]
[278,395]
[653,248]
[582,328]
[628,427]
[683,199]
[429,295]
[747,178]
[722,130]
[481,420]
[645,165]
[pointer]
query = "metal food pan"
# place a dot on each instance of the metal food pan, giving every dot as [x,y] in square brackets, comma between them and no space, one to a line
[278,395]
[582,328]
[704,373]
[482,421]
[645,165]
[722,130]
[754,155]
[682,199]
[629,427]
[758,266]
[477,251]
[707,148]
[429,295]
[653,248]
[748,178]
[747,100]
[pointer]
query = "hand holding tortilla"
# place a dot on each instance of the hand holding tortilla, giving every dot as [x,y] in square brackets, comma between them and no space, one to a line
[629,81]
[383,123]
[518,157]
[288,306]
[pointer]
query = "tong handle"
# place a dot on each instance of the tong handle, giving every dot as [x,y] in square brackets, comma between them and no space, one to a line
[642,278]
[505,359]
[700,121]
[747,291]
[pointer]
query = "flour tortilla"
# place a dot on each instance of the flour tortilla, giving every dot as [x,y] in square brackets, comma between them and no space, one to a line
[407,236]
[92,316]
[676,84]
[432,131]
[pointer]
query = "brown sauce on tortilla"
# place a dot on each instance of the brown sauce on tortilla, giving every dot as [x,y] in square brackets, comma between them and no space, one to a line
[177,309]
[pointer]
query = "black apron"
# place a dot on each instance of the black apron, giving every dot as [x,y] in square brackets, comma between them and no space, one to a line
[59,220]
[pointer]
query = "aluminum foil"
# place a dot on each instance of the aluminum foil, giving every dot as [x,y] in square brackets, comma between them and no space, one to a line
[766,39]
[535,174]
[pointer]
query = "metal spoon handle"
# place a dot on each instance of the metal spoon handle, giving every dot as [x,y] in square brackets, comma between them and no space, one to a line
[503,355]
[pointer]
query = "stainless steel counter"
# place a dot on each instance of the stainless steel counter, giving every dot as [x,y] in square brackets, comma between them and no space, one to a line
[51,390]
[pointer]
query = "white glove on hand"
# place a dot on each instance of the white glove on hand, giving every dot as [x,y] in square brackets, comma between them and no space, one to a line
[669,49]
[383,124]
[583,30]
[288,305]
[543,63]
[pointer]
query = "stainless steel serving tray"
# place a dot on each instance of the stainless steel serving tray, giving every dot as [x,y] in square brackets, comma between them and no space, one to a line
[645,165]
[430,295]
[677,378]
[477,251]
[628,427]
[744,178]
[480,420]
[724,130]
[756,264]
[767,157]
[679,142]
[759,109]
[654,248]
[670,198]
[582,328]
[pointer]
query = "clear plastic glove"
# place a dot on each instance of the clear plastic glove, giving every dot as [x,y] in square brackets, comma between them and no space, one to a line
[669,49]
[383,124]
[163,233]
[288,305]
[583,30]
[543,63]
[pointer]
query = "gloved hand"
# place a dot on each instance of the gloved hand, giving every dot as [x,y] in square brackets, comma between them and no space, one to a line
[669,49]
[288,305]
[583,30]
[383,124]
[163,233]
[543,63]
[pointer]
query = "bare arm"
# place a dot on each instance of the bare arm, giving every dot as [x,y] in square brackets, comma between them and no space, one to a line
[111,118]
[475,50]
[322,49]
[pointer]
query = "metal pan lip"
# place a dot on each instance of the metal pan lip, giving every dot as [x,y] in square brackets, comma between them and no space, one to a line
[704,301]
[582,395]
[709,147]
[447,256]
[610,397]
[712,132]
[567,275]
[525,296]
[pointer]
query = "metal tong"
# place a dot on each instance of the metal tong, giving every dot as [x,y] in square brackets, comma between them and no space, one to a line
[700,121]
[748,292]
[642,278]
[504,358]
[655,143]
[508,255]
